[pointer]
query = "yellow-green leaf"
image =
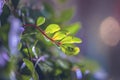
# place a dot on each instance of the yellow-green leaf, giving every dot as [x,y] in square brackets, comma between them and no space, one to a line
[59,35]
[70,39]
[40,21]
[76,40]
[70,50]
[52,28]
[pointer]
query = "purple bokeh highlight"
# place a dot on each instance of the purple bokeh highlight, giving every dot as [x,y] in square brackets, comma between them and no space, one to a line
[16,30]
[4,58]
[2,2]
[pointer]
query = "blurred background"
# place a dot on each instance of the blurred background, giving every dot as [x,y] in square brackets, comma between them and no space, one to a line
[99,22]
[100,33]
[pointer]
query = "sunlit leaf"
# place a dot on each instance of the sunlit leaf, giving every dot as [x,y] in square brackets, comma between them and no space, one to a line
[52,28]
[40,21]
[73,28]
[59,35]
[70,39]
[76,40]
[70,50]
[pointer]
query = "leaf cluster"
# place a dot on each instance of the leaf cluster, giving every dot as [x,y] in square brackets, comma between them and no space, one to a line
[61,38]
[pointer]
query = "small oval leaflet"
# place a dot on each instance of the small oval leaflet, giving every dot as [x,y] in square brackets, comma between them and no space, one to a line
[40,21]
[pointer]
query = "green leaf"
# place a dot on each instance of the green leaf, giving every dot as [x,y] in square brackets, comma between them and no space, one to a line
[25,77]
[30,66]
[35,75]
[58,72]
[65,15]
[48,10]
[52,28]
[62,63]
[59,35]
[76,40]
[70,39]
[19,46]
[73,28]
[70,50]
[40,21]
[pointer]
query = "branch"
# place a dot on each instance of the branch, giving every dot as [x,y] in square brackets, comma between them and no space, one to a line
[41,31]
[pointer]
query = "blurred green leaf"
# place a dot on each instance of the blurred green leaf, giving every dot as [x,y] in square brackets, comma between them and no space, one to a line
[73,28]
[63,64]
[59,35]
[58,71]
[48,10]
[40,21]
[52,28]
[70,39]
[65,15]
[89,64]
[25,51]
[25,77]
[70,49]
[30,66]
[19,46]
[45,67]
[62,1]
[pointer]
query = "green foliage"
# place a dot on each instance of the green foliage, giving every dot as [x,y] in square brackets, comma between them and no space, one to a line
[63,38]
[59,35]
[70,49]
[40,21]
[52,28]
[73,28]
[70,39]
[39,55]
[30,66]
[24,77]
[65,15]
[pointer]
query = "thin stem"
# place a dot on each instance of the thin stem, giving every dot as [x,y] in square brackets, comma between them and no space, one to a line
[28,25]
